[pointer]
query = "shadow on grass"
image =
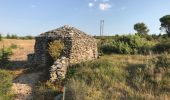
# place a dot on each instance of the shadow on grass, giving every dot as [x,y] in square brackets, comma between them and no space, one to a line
[134,75]
[14,65]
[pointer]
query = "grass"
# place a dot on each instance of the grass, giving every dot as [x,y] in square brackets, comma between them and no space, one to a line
[113,77]
[24,47]
[110,77]
[5,85]
[20,49]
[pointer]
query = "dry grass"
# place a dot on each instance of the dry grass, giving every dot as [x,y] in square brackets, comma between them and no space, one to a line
[101,81]
[24,47]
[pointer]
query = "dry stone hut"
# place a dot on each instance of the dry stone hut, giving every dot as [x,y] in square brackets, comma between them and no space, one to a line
[78,46]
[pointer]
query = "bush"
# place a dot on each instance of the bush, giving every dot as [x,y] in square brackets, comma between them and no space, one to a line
[5,85]
[162,47]
[55,48]
[130,44]
[5,53]
[28,37]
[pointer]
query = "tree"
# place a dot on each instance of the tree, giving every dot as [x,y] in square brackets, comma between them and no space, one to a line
[165,24]
[5,53]
[141,28]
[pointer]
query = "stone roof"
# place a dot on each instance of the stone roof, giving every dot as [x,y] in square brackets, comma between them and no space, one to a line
[64,31]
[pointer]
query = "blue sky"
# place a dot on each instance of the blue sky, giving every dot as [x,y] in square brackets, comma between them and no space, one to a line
[32,17]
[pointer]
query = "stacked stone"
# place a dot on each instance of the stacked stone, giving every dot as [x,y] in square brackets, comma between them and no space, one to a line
[78,47]
[58,69]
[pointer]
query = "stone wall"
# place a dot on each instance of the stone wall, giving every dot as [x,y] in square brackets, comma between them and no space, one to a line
[59,69]
[83,48]
[78,47]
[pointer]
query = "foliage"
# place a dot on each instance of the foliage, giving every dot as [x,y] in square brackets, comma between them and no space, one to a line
[165,23]
[5,53]
[46,91]
[129,44]
[141,28]
[162,47]
[13,36]
[55,48]
[28,37]
[5,85]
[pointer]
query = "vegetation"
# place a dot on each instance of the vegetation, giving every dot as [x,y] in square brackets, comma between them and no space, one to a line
[141,28]
[14,36]
[165,24]
[163,46]
[111,77]
[127,44]
[5,85]
[13,46]
[0,37]
[5,53]
[55,48]
[46,91]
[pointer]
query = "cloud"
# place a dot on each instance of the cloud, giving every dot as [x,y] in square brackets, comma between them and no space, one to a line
[91,4]
[104,6]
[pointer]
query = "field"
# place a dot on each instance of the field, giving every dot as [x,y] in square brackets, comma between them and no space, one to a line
[23,47]
[112,76]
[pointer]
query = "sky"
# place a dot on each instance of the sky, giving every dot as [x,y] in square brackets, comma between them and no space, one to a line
[32,17]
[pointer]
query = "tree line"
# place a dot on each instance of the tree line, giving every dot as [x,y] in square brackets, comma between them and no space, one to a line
[143,30]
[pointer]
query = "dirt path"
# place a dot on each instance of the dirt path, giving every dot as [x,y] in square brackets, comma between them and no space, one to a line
[24,86]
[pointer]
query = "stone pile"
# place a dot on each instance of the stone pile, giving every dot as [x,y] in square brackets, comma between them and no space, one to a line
[78,47]
[58,69]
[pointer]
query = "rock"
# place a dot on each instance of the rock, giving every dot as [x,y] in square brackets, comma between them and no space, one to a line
[78,47]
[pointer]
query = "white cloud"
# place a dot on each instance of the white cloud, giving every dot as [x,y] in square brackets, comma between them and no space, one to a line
[104,6]
[91,4]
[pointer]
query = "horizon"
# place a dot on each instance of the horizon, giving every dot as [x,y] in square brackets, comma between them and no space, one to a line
[32,17]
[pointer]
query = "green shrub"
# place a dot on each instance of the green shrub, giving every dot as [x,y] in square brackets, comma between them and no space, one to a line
[162,47]
[129,44]
[55,48]
[5,53]
[5,85]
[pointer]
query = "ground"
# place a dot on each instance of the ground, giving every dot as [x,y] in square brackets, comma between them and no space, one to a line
[23,83]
